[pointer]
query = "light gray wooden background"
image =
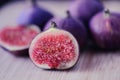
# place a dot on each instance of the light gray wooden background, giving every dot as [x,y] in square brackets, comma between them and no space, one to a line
[92,65]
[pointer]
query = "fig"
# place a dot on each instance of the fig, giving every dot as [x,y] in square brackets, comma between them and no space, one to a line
[34,15]
[17,39]
[72,25]
[54,49]
[105,29]
[84,9]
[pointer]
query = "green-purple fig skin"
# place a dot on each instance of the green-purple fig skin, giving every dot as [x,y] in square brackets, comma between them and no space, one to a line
[73,26]
[105,30]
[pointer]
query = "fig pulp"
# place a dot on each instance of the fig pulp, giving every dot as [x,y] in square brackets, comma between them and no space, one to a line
[72,25]
[54,49]
[17,39]
[105,29]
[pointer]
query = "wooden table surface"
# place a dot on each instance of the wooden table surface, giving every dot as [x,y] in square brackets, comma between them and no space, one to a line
[92,64]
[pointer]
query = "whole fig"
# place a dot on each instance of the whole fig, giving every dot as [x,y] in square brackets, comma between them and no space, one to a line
[85,9]
[34,15]
[72,25]
[105,29]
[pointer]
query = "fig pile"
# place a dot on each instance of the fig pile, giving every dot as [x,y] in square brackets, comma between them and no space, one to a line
[58,45]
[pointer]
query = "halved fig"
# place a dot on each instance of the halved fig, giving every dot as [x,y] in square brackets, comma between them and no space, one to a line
[54,49]
[17,39]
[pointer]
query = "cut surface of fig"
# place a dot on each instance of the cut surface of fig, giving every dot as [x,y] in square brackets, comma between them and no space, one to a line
[54,49]
[17,38]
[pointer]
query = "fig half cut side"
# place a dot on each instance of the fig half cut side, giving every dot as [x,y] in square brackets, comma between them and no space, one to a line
[54,49]
[17,39]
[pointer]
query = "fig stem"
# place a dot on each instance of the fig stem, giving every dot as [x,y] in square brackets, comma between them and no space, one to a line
[33,2]
[107,13]
[68,13]
[53,24]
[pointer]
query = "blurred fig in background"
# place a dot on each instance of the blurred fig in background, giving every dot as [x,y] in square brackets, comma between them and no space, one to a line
[72,25]
[85,9]
[105,29]
[34,15]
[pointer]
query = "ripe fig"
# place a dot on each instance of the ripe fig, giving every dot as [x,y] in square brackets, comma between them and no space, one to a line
[54,49]
[105,29]
[17,39]
[72,25]
[85,9]
[34,15]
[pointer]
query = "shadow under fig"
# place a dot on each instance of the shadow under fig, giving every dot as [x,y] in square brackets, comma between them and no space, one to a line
[21,53]
[93,57]
[92,47]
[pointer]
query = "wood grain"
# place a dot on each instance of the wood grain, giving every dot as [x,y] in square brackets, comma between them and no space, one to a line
[92,64]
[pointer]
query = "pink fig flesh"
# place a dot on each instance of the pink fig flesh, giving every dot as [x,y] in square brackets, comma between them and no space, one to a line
[8,35]
[54,48]
[17,39]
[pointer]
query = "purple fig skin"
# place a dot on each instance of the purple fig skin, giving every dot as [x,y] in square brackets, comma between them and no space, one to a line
[20,52]
[85,9]
[23,52]
[34,15]
[91,0]
[73,26]
[105,29]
